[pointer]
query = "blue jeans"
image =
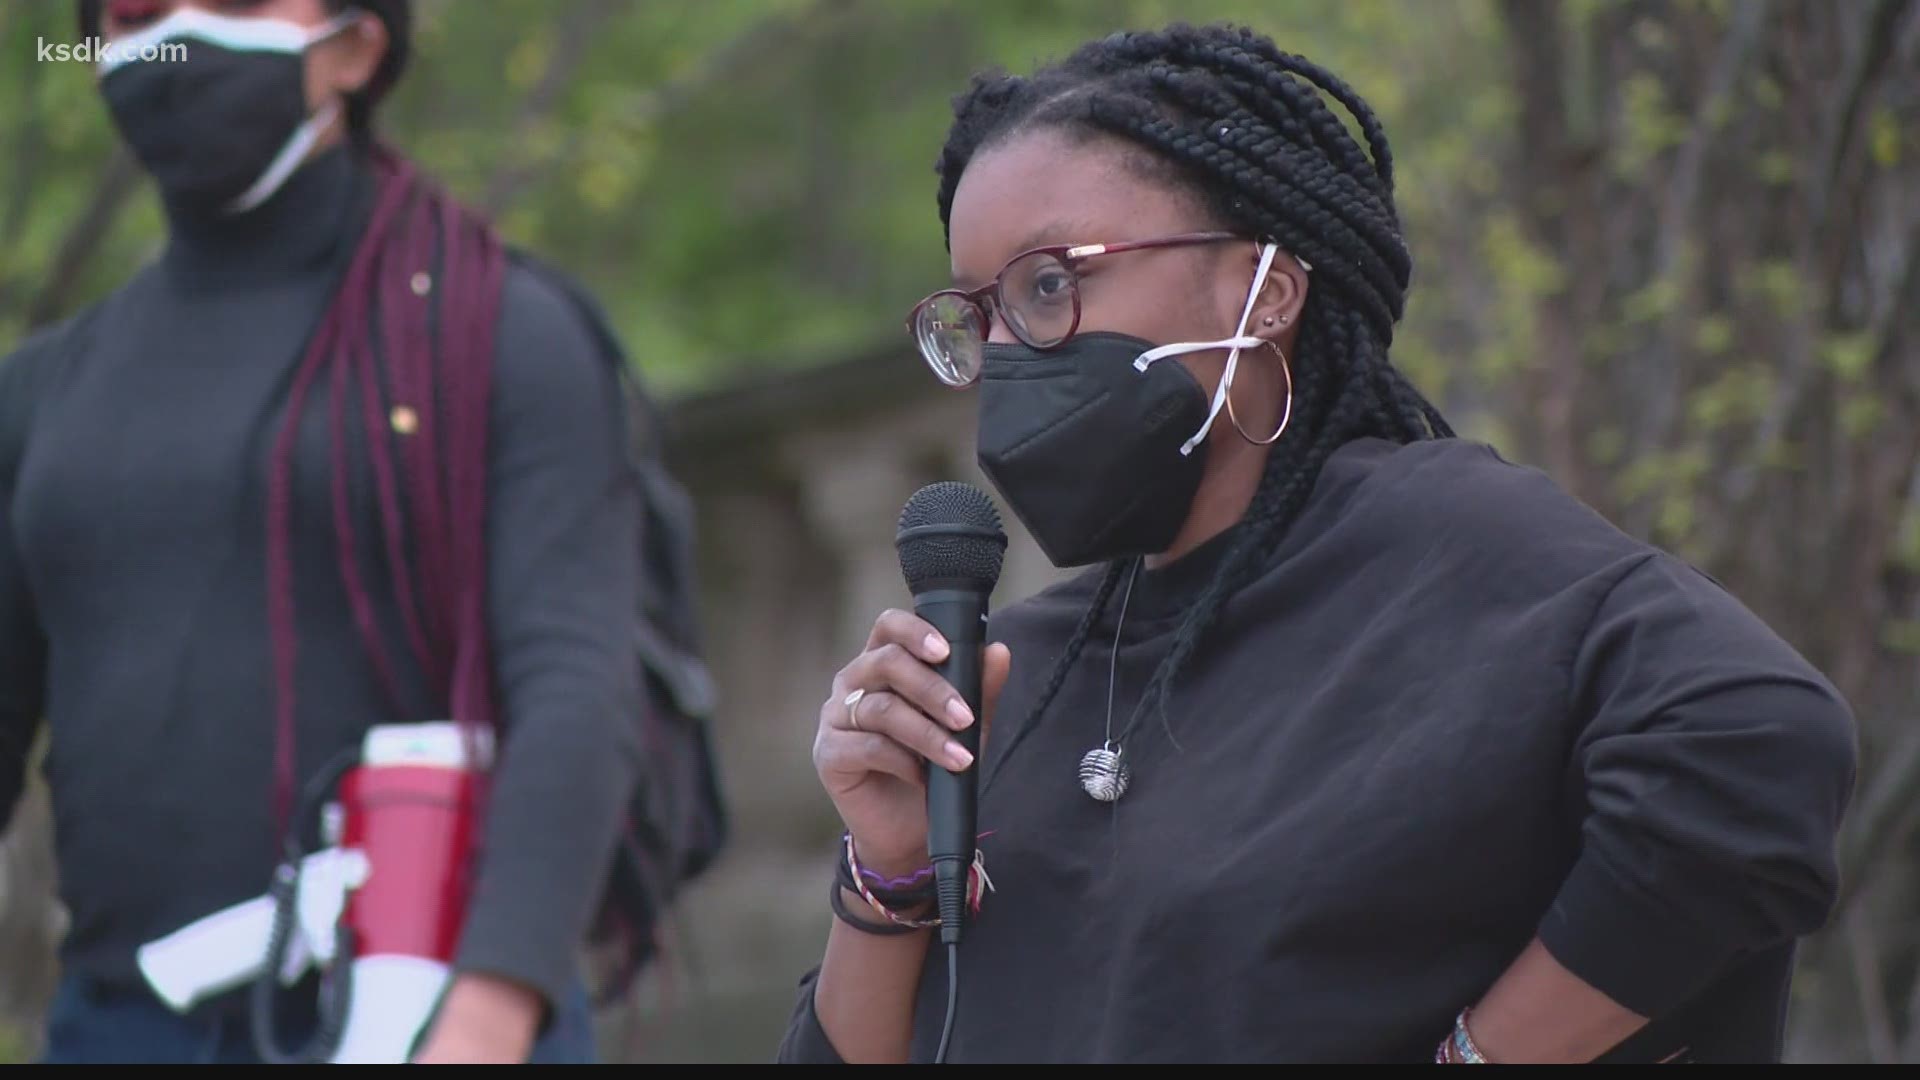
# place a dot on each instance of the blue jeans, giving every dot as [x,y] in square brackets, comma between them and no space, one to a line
[89,1026]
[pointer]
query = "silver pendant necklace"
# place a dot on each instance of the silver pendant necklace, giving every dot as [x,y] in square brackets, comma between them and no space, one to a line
[1103,770]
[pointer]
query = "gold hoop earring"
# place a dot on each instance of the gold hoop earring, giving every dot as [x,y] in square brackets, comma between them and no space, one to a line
[1286,415]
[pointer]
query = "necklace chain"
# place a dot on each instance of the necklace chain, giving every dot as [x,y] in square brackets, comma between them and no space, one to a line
[1103,771]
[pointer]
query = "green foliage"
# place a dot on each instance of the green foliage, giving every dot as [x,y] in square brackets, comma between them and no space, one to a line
[1651,126]
[1849,356]
[1670,482]
[14,1049]
[1713,335]
[1861,415]
[748,184]
[1776,168]
[1523,274]
[1775,284]
[1901,635]
[1739,395]
[1906,549]
[1654,301]
[1883,138]
[55,141]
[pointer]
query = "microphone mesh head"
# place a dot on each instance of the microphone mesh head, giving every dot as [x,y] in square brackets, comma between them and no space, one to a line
[950,535]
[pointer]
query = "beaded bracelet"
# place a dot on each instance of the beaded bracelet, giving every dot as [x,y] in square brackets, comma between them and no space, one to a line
[1458,1047]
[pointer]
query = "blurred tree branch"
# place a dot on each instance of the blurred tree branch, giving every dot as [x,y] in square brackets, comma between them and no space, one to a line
[646,108]
[1864,64]
[29,148]
[1885,813]
[118,181]
[576,34]
[1552,199]
[1864,947]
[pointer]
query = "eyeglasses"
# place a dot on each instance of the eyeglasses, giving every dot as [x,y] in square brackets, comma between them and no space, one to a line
[1037,293]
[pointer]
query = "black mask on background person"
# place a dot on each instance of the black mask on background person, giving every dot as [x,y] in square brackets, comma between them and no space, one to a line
[1086,449]
[221,128]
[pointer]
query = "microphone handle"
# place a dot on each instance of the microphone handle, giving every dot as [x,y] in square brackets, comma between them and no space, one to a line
[960,616]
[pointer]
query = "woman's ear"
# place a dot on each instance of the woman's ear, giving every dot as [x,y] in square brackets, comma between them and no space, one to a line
[1276,311]
[348,61]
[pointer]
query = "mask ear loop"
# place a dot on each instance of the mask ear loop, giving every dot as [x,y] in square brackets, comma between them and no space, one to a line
[300,145]
[286,161]
[1239,341]
[346,20]
[1286,372]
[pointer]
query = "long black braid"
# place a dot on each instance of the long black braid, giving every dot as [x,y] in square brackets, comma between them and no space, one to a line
[1224,112]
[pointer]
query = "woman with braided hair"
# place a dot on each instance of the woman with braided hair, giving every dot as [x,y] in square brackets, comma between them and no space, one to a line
[1354,742]
[336,458]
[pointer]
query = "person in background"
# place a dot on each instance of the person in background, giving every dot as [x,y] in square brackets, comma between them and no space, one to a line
[335,458]
[1354,742]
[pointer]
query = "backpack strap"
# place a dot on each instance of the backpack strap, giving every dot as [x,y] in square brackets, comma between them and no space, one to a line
[677,821]
[668,636]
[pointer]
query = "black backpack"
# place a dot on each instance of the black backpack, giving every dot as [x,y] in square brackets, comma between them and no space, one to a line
[677,822]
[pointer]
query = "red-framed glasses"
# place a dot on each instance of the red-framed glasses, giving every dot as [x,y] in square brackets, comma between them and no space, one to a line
[1037,293]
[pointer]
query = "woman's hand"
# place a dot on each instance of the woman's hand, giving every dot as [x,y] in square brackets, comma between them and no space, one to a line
[871,755]
[483,1021]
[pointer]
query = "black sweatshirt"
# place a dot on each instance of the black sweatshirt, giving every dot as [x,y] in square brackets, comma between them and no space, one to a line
[134,444]
[1456,710]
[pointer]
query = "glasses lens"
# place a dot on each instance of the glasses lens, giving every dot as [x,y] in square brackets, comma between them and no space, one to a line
[949,331]
[1039,293]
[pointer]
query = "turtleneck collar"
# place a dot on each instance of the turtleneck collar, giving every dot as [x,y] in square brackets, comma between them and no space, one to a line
[321,206]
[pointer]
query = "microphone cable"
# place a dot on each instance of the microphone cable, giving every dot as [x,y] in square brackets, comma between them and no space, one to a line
[953,998]
[950,881]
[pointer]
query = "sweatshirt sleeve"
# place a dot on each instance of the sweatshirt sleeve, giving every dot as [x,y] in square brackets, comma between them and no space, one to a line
[562,524]
[23,647]
[1716,765]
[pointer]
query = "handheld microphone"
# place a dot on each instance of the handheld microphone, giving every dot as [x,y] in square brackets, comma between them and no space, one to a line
[951,546]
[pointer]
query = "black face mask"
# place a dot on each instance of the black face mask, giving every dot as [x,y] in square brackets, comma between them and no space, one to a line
[1086,449]
[221,128]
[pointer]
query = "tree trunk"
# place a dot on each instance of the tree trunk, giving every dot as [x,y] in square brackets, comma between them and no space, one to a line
[1730,197]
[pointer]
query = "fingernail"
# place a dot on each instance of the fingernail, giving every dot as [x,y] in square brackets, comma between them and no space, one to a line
[936,647]
[958,755]
[958,712]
